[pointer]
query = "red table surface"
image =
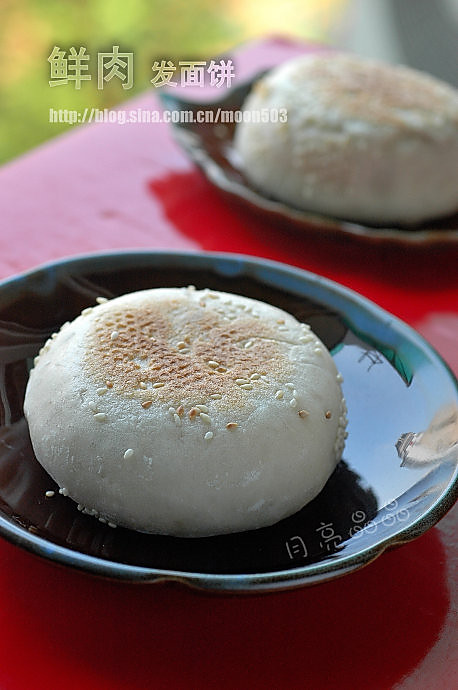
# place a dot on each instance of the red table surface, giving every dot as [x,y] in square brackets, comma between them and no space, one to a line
[391,624]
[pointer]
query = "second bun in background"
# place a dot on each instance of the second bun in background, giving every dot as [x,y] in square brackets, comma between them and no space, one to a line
[362,140]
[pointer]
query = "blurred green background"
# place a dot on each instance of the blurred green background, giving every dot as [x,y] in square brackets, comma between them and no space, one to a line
[419,33]
[151,29]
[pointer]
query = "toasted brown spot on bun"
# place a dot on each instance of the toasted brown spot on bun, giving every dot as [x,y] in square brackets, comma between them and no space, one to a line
[146,359]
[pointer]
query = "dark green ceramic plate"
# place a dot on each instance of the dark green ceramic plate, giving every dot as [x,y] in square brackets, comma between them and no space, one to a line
[398,475]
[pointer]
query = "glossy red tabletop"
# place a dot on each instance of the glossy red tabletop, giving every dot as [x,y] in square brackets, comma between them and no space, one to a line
[391,624]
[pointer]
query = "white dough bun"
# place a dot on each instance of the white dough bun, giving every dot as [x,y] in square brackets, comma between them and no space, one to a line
[186,412]
[363,140]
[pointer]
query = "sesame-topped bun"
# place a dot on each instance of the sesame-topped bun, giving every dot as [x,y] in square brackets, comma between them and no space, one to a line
[186,412]
[362,140]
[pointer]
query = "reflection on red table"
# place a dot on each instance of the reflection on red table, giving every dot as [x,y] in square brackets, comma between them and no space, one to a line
[391,624]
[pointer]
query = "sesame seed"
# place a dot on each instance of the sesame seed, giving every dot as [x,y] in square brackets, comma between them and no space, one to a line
[86,311]
[208,436]
[101,391]
[255,377]
[231,426]
[143,385]
[114,335]
[109,384]
[339,378]
[248,344]
[147,404]
[216,396]
[63,491]
[328,414]
[172,410]
[213,364]
[305,338]
[318,350]
[177,419]
[281,321]
[222,370]
[35,361]
[303,414]
[181,345]
[180,410]
[247,386]
[205,418]
[128,454]
[100,417]
[294,393]
[282,328]
[112,525]
[293,402]
[193,412]
[202,408]
[92,405]
[158,385]
[240,382]
[101,300]
[49,494]
[102,520]
[79,507]
[279,395]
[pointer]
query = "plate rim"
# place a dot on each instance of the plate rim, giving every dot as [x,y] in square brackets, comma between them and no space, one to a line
[241,582]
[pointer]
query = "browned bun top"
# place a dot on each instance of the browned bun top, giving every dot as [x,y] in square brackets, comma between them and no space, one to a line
[382,93]
[181,348]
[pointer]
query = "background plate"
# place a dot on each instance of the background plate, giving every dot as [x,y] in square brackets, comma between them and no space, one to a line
[402,408]
[210,145]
